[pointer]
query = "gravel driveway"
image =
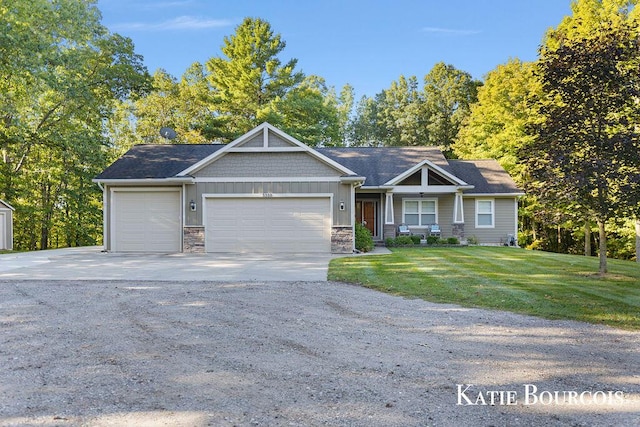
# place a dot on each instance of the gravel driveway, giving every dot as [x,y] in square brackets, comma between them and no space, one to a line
[113,353]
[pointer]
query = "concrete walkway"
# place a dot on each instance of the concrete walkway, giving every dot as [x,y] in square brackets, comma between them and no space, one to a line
[90,263]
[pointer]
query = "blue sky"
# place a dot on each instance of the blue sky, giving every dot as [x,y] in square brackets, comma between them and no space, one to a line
[365,43]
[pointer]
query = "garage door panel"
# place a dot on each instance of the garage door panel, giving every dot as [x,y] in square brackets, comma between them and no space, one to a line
[298,224]
[146,221]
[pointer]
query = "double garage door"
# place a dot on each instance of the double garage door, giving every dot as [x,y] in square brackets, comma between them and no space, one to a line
[279,224]
[151,221]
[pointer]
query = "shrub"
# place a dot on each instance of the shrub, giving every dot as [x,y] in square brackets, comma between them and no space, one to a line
[404,240]
[453,241]
[389,242]
[415,239]
[432,240]
[473,240]
[364,240]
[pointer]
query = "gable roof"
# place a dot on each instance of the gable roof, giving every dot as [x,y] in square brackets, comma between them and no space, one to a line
[264,130]
[155,161]
[381,164]
[6,205]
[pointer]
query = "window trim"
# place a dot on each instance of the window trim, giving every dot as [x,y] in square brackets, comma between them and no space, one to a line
[493,213]
[419,213]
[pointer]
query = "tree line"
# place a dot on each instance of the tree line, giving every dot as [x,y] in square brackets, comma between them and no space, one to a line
[76,96]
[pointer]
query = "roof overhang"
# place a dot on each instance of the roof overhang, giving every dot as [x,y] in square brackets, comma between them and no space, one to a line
[147,181]
[352,179]
[493,194]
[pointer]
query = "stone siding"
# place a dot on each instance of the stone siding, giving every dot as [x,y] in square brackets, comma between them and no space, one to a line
[193,240]
[342,240]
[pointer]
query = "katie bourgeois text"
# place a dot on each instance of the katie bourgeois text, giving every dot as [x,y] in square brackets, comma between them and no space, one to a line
[468,395]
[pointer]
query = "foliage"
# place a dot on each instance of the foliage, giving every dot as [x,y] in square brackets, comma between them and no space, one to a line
[62,72]
[587,152]
[249,77]
[405,115]
[364,240]
[496,127]
[554,286]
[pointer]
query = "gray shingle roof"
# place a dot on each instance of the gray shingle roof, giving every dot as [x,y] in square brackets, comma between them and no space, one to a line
[487,176]
[381,164]
[377,164]
[157,160]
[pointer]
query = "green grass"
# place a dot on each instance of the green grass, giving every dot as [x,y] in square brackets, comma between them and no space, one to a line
[554,286]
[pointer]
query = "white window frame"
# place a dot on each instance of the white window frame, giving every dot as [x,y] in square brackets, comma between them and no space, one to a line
[419,213]
[492,213]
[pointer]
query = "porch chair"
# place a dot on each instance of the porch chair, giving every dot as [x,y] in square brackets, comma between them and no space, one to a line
[434,230]
[403,230]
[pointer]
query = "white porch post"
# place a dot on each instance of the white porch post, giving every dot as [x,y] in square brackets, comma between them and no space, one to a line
[458,209]
[388,209]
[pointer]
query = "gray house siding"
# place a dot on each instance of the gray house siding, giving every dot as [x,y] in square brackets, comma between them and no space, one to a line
[341,193]
[504,221]
[445,211]
[266,165]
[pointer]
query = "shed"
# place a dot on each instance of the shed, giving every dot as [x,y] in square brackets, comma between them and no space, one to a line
[6,225]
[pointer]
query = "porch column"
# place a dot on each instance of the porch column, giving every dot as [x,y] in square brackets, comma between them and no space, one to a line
[458,216]
[388,209]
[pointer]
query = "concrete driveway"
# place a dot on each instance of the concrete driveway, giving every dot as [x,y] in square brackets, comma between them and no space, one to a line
[90,263]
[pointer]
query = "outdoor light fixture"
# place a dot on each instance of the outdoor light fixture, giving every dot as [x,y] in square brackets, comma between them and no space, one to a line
[192,205]
[341,205]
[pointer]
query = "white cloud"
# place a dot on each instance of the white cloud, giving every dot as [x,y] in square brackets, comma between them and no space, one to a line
[449,31]
[179,23]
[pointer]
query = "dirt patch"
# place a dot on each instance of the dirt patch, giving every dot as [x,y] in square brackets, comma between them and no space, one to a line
[112,353]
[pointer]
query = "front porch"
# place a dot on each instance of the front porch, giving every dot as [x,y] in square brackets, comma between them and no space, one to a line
[421,213]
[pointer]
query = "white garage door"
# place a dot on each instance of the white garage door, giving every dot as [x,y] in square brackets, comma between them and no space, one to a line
[146,221]
[301,224]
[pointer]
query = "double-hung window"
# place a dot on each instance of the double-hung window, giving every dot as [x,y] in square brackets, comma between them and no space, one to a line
[485,213]
[420,212]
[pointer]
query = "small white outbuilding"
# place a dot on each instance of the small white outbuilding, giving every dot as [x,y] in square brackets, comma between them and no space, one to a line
[6,226]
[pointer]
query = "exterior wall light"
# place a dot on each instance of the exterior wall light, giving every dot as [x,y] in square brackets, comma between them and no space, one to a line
[192,205]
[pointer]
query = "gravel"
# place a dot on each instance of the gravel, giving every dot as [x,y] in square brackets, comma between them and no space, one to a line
[113,353]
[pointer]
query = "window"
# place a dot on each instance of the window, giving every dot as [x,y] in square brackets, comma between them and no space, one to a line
[485,214]
[420,212]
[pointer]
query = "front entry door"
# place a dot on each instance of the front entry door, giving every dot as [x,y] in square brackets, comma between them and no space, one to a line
[366,215]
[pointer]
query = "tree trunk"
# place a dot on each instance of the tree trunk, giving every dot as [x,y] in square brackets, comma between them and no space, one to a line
[638,240]
[587,238]
[603,248]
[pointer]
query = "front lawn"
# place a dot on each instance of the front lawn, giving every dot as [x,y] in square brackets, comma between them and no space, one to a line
[554,286]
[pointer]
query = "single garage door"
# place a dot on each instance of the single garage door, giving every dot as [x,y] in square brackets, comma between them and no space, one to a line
[146,221]
[272,225]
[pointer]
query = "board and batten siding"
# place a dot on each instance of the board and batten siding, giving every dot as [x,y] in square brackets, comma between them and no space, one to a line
[505,211]
[341,193]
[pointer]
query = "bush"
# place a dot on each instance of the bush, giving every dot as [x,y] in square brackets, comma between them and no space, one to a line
[404,240]
[453,241]
[415,239]
[389,242]
[473,240]
[432,240]
[364,240]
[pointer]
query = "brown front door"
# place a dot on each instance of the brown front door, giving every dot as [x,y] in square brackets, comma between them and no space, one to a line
[366,215]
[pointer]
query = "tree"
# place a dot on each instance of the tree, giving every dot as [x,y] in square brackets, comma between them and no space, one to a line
[448,94]
[587,148]
[61,72]
[250,77]
[496,127]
